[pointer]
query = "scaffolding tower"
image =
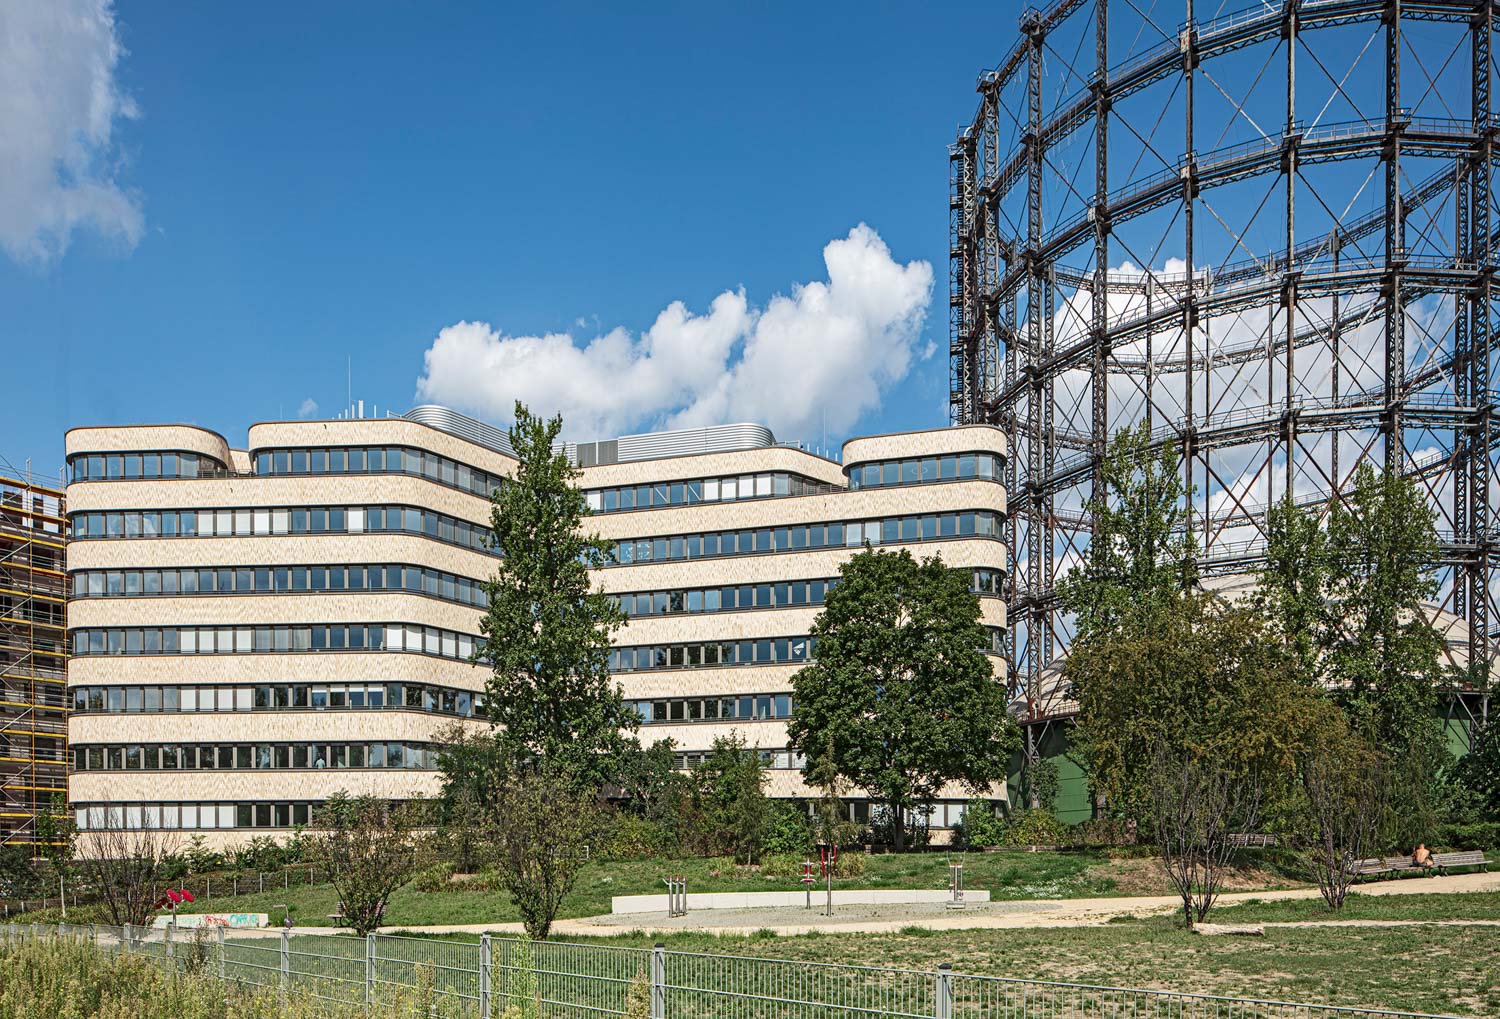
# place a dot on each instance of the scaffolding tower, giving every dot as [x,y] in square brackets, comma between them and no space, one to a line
[1270,234]
[33,653]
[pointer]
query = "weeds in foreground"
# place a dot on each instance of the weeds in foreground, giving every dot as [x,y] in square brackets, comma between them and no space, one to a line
[58,978]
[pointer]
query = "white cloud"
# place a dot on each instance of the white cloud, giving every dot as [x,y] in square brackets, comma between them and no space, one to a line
[816,359]
[59,103]
[308,408]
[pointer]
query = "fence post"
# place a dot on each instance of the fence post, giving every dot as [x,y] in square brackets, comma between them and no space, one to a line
[369,969]
[220,935]
[286,960]
[169,940]
[942,998]
[94,935]
[125,933]
[659,981]
[484,976]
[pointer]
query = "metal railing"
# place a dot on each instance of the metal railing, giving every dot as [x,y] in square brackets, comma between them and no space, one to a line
[575,981]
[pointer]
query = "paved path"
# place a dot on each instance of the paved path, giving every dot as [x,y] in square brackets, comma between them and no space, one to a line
[996,915]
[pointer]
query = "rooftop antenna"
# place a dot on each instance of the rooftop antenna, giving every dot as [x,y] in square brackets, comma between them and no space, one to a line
[349,382]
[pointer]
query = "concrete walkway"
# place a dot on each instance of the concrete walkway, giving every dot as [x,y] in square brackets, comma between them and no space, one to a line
[1000,914]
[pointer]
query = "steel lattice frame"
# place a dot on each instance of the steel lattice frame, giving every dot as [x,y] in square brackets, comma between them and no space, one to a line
[1285,264]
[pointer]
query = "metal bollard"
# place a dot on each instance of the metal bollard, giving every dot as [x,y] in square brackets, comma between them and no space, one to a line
[485,959]
[659,981]
[369,970]
[943,993]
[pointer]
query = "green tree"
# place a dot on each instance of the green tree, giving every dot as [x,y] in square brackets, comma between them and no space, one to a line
[1205,681]
[547,633]
[1383,651]
[1345,599]
[1292,591]
[1142,557]
[730,795]
[57,838]
[902,698]
[541,826]
[368,847]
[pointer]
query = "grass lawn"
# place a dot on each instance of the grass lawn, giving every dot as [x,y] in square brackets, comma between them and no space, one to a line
[1448,971]
[1434,906]
[1005,875]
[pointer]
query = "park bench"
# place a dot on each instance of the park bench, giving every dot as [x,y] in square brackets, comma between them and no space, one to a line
[1402,865]
[1366,868]
[1473,858]
[1251,840]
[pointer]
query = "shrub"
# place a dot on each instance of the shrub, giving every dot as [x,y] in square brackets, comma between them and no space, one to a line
[1480,835]
[979,826]
[787,830]
[631,836]
[1036,828]
[852,865]
[782,866]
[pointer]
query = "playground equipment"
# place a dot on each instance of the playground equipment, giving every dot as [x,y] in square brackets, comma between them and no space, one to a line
[955,884]
[676,895]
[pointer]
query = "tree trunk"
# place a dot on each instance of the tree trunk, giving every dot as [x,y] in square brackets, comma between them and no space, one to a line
[898,828]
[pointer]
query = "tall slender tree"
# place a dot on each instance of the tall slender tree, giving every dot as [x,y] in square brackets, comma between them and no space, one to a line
[1142,556]
[547,633]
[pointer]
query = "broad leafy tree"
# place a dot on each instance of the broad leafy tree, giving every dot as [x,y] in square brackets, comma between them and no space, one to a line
[902,698]
[1205,681]
[1158,665]
[547,633]
[1292,591]
[1382,648]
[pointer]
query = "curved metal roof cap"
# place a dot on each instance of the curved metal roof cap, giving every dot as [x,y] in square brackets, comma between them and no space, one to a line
[467,428]
[642,446]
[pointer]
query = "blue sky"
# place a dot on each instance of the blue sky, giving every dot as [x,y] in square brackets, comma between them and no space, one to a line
[297,184]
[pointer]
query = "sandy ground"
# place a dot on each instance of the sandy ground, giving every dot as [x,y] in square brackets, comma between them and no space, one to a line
[878,919]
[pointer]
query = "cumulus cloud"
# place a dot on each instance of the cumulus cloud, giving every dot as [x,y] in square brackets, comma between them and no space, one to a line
[59,105]
[817,358]
[308,408]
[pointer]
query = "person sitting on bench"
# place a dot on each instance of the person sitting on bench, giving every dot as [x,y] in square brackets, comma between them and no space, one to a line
[1421,857]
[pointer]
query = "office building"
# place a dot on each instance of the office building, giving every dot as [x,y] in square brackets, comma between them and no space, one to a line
[255,629]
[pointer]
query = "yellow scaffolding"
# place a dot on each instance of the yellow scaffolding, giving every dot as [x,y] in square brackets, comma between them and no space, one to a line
[33,654]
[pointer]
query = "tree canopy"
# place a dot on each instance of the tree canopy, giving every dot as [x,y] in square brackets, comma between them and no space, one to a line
[1142,556]
[902,697]
[546,635]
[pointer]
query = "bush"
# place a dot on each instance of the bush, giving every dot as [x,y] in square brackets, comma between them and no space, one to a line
[632,837]
[1480,835]
[852,865]
[1036,828]
[787,830]
[1105,831]
[782,866]
[979,826]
